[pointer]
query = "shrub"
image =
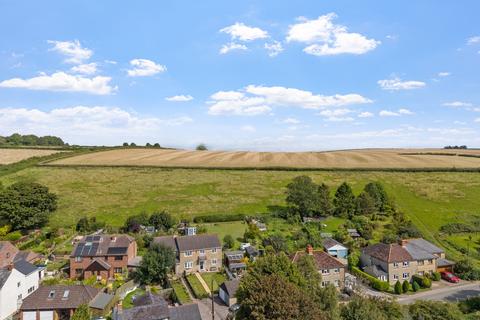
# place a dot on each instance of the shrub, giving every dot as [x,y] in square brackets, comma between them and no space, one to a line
[13,236]
[415,286]
[374,282]
[436,276]
[406,286]
[426,283]
[398,287]
[417,279]
[219,218]
[466,270]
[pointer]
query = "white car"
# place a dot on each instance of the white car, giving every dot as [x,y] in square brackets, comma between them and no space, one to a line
[244,246]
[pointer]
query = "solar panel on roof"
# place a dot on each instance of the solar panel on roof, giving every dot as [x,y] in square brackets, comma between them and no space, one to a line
[79,249]
[117,250]
[96,238]
[89,238]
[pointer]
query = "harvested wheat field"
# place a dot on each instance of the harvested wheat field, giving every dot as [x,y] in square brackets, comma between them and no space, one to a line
[345,159]
[8,156]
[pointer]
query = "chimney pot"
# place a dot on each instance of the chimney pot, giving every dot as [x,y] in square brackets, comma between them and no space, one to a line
[10,266]
[309,250]
[403,242]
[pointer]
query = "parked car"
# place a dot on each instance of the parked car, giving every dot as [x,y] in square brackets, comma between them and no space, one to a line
[234,308]
[450,277]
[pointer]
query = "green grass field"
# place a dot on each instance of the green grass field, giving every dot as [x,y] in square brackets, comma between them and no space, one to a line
[180,292]
[218,279]
[430,199]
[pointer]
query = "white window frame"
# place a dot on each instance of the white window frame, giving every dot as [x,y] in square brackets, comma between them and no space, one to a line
[202,251]
[325,283]
[214,262]
[406,264]
[325,271]
[395,264]
[336,270]
[214,250]
[188,253]
[188,265]
[405,275]
[395,277]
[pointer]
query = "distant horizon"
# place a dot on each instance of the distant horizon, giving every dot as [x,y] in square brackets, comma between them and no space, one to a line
[243,75]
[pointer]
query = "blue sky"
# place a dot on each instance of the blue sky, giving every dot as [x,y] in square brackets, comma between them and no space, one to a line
[245,75]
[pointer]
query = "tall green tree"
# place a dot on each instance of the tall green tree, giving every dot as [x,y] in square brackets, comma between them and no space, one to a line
[325,205]
[280,265]
[155,266]
[364,204]
[344,201]
[82,313]
[378,194]
[302,194]
[271,297]
[162,220]
[360,308]
[26,205]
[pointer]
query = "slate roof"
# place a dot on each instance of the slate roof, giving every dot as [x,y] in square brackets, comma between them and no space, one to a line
[425,245]
[330,243]
[28,256]
[230,287]
[25,267]
[251,251]
[322,259]
[418,253]
[376,271]
[444,263]
[102,245]
[101,301]
[154,307]
[200,241]
[4,274]
[388,252]
[77,295]
[186,243]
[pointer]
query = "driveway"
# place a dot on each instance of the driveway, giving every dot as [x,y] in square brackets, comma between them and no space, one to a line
[205,306]
[446,292]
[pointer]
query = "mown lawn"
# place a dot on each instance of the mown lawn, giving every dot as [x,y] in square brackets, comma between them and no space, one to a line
[430,199]
[180,292]
[236,229]
[129,298]
[197,287]
[218,279]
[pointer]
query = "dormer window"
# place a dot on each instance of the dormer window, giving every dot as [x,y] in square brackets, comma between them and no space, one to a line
[51,295]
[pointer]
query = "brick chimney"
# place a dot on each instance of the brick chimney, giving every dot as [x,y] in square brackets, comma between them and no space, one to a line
[10,266]
[310,250]
[119,308]
[403,242]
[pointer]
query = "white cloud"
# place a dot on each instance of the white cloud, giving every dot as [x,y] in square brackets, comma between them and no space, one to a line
[365,114]
[61,81]
[253,100]
[339,119]
[473,40]
[232,46]
[242,32]
[386,113]
[73,50]
[397,84]
[89,68]
[82,125]
[457,104]
[326,38]
[405,112]
[274,48]
[291,121]
[335,112]
[180,98]
[477,120]
[145,68]
[248,128]
[399,112]
[460,123]
[443,74]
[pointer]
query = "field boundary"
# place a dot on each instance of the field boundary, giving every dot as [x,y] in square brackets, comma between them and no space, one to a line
[266,168]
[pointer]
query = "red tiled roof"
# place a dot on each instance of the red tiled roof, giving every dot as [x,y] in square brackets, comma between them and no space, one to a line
[322,259]
[388,252]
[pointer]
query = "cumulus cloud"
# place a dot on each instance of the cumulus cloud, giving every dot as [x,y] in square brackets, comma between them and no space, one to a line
[473,40]
[326,38]
[443,74]
[61,81]
[180,98]
[82,124]
[273,48]
[88,68]
[254,100]
[365,114]
[242,32]
[145,68]
[396,84]
[73,50]
[232,46]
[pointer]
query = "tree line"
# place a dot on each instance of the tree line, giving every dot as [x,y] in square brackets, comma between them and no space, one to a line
[309,199]
[17,139]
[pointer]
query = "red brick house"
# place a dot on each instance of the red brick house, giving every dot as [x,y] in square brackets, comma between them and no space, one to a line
[103,256]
